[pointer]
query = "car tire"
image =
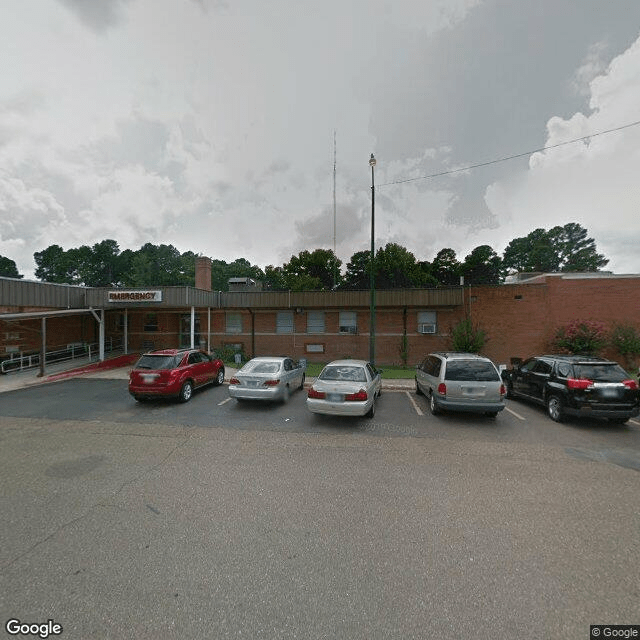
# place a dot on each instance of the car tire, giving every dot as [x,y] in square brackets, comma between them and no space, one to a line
[491,414]
[554,408]
[301,387]
[418,389]
[509,388]
[433,405]
[372,411]
[139,398]
[618,420]
[186,392]
[220,377]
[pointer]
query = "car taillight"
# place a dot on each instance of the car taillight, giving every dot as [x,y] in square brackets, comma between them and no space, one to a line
[632,384]
[234,381]
[503,390]
[575,383]
[318,395]
[442,389]
[271,383]
[357,397]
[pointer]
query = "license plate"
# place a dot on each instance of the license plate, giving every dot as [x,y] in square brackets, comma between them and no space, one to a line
[609,393]
[334,397]
[148,378]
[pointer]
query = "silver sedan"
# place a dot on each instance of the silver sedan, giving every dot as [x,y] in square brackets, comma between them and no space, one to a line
[345,388]
[267,378]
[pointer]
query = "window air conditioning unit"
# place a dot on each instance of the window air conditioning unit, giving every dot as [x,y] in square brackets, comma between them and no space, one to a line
[349,329]
[426,328]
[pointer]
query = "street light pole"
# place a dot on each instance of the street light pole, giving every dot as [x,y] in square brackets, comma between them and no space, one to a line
[372,278]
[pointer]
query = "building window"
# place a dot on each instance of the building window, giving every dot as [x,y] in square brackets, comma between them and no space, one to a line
[284,322]
[234,322]
[348,322]
[151,322]
[427,322]
[315,322]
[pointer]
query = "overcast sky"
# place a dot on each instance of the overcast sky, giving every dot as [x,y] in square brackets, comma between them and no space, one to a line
[209,124]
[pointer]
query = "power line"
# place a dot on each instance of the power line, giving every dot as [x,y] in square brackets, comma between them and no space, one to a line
[518,155]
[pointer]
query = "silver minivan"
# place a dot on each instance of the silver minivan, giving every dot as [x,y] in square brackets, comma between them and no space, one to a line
[454,381]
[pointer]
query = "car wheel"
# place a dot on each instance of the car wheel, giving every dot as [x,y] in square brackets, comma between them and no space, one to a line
[554,408]
[372,411]
[418,389]
[186,392]
[302,382]
[285,394]
[509,388]
[618,420]
[139,398]
[220,376]
[433,405]
[491,414]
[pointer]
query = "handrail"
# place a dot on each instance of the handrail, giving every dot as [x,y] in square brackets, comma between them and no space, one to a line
[73,351]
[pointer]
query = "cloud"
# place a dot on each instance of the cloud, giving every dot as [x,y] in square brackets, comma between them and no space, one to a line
[98,15]
[593,182]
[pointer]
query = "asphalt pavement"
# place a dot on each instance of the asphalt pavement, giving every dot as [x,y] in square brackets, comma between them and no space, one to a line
[118,368]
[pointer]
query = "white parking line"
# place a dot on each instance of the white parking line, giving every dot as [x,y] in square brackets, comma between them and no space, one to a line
[413,402]
[513,413]
[224,401]
[634,422]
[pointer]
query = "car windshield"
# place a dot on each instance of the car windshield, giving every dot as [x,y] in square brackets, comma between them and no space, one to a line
[354,374]
[603,372]
[149,361]
[471,370]
[261,367]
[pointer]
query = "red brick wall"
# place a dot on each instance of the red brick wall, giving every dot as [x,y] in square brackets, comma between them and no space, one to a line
[521,319]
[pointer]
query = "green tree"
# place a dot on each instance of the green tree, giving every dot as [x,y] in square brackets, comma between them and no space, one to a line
[446,268]
[312,270]
[357,271]
[8,268]
[467,337]
[274,278]
[161,265]
[97,266]
[396,268]
[565,248]
[53,264]
[482,266]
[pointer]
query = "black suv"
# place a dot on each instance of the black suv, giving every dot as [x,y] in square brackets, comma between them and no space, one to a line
[575,385]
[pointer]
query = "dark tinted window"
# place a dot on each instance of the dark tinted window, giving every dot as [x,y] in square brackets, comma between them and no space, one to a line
[158,362]
[564,370]
[600,372]
[371,371]
[528,365]
[433,366]
[471,370]
[542,367]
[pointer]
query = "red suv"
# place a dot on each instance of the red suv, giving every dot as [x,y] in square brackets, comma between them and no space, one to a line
[173,373]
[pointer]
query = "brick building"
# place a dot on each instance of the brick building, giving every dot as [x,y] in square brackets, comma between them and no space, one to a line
[520,318]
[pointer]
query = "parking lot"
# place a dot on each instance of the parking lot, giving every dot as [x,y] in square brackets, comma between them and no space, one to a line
[222,519]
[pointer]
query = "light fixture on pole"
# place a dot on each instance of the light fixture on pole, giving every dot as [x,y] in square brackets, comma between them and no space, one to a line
[372,279]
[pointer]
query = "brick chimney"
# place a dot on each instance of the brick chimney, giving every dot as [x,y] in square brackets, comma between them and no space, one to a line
[203,273]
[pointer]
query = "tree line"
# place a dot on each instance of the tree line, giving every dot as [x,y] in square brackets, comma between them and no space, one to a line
[566,248]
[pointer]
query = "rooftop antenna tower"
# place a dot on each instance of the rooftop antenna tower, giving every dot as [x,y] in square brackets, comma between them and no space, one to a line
[334,191]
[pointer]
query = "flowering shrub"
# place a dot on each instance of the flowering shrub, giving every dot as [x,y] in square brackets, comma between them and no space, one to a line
[581,336]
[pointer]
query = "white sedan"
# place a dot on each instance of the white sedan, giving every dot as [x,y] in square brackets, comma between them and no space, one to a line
[345,388]
[267,378]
